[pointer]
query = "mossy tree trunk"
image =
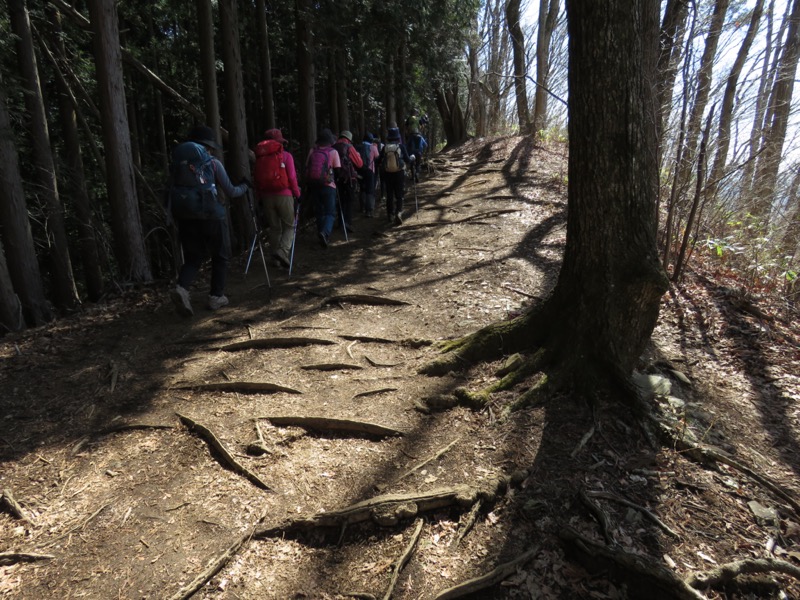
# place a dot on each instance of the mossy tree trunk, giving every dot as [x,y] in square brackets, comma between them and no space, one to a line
[597,321]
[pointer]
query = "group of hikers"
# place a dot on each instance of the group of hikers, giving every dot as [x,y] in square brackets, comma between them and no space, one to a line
[337,172]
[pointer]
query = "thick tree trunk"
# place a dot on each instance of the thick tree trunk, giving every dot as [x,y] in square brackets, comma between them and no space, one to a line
[547,23]
[11,318]
[16,230]
[63,281]
[125,219]
[342,90]
[766,175]
[305,77]
[455,128]
[238,159]
[208,64]
[520,69]
[265,65]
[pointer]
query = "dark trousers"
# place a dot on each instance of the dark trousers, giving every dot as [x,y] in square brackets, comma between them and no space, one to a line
[203,238]
[346,200]
[395,189]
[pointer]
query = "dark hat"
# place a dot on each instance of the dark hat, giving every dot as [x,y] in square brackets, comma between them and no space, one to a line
[202,134]
[346,134]
[368,137]
[325,138]
[274,134]
[393,135]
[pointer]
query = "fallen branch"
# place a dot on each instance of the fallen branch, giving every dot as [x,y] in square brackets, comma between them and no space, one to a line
[329,424]
[12,558]
[331,367]
[403,560]
[723,574]
[278,342]
[13,507]
[644,577]
[364,299]
[223,453]
[243,387]
[213,567]
[491,578]
[374,392]
[642,509]
[438,454]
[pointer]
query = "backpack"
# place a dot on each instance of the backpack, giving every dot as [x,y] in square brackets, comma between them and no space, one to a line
[415,144]
[365,151]
[193,191]
[270,170]
[318,169]
[348,173]
[393,158]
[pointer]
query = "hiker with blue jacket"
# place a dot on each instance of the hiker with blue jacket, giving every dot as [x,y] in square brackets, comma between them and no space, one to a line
[393,160]
[199,212]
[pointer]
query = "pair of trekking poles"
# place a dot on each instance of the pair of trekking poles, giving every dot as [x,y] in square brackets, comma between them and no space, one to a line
[257,238]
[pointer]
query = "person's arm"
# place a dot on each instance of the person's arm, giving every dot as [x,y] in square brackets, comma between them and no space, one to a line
[355,157]
[223,182]
[291,173]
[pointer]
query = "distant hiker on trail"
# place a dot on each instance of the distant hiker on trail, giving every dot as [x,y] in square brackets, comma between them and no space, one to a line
[393,159]
[195,176]
[276,183]
[347,178]
[321,162]
[412,123]
[369,153]
[416,146]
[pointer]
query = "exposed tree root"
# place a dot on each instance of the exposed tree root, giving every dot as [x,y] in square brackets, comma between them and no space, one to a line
[438,454]
[368,339]
[374,392]
[12,507]
[479,399]
[724,574]
[243,387]
[600,515]
[223,453]
[332,367]
[468,523]
[276,342]
[606,496]
[491,578]
[644,577]
[338,425]
[212,568]
[401,562]
[12,558]
[364,299]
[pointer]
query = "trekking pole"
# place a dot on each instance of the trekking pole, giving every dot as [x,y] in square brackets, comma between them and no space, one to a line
[256,239]
[416,202]
[294,236]
[341,212]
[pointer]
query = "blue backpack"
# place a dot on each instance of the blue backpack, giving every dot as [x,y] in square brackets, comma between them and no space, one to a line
[193,193]
[365,150]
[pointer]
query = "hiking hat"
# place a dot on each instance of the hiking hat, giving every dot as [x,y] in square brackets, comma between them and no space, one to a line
[274,134]
[325,138]
[202,134]
[346,134]
[393,135]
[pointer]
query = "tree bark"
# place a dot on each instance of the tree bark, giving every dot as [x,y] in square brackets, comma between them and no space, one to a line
[16,230]
[766,175]
[11,318]
[208,65]
[63,281]
[120,181]
[455,129]
[520,69]
[305,77]
[547,23]
[342,90]
[672,31]
[265,65]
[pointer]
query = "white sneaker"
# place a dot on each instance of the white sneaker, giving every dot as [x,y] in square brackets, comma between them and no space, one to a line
[215,302]
[180,298]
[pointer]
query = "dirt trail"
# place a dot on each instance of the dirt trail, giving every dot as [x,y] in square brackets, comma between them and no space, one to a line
[117,423]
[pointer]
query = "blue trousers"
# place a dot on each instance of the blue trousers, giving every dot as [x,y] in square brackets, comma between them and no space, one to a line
[325,208]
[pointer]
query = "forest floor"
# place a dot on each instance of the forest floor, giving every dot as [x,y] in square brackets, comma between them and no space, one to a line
[286,446]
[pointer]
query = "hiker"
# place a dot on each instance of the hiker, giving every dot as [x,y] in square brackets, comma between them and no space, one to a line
[321,162]
[199,211]
[368,150]
[412,123]
[347,177]
[276,183]
[393,159]
[416,146]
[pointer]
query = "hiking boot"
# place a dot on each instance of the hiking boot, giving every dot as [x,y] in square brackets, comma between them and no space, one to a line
[282,262]
[323,240]
[180,298]
[215,302]
[398,219]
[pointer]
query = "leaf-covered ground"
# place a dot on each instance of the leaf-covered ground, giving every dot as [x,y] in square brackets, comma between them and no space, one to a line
[147,456]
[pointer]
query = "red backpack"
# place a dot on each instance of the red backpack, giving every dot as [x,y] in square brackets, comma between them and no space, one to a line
[270,171]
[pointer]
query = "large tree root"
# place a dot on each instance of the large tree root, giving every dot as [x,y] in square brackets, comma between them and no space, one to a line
[339,425]
[10,504]
[491,578]
[224,455]
[364,299]
[277,342]
[401,562]
[521,372]
[212,568]
[242,387]
[12,558]
[726,573]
